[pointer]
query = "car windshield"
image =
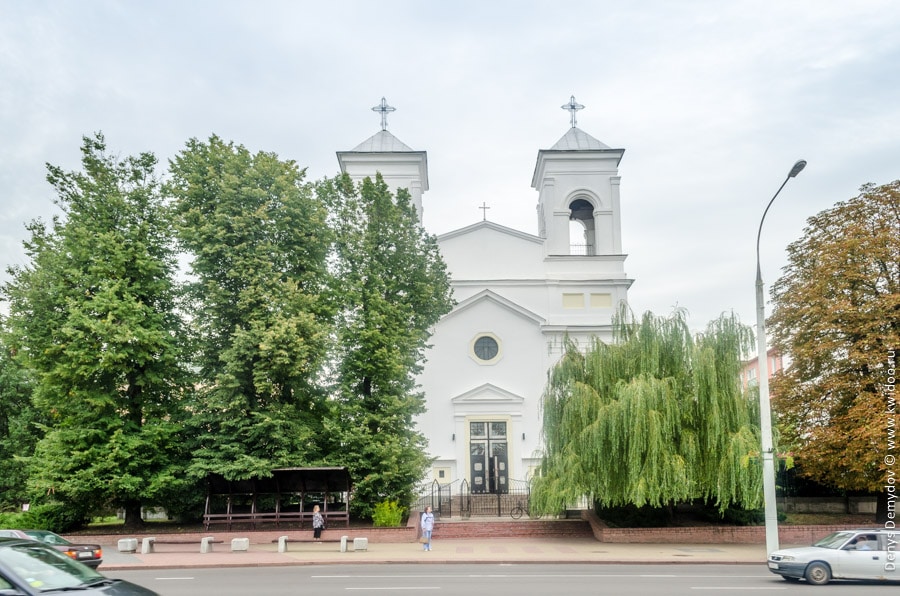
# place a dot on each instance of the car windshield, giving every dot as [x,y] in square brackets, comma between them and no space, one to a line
[45,569]
[47,537]
[835,540]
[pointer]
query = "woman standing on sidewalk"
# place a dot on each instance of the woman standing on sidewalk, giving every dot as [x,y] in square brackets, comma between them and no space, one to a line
[427,527]
[318,524]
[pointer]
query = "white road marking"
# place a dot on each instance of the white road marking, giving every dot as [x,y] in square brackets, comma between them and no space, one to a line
[395,588]
[534,575]
[735,588]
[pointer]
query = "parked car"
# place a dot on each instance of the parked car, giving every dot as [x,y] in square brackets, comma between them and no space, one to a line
[868,554]
[89,554]
[28,567]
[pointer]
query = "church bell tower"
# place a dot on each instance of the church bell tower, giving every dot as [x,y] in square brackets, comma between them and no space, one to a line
[400,166]
[578,184]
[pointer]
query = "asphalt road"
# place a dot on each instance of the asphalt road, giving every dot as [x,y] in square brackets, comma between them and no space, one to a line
[492,580]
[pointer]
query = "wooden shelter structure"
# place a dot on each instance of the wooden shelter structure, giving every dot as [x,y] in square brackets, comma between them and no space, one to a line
[287,496]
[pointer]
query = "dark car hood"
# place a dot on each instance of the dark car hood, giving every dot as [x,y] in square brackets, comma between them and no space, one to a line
[116,587]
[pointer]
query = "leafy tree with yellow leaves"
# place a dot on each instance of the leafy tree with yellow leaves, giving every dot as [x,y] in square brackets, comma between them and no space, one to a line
[837,314]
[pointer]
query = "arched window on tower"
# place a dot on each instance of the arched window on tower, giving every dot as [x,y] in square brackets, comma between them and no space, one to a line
[581,228]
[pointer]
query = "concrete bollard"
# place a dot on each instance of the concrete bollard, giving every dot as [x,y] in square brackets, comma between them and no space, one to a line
[343,544]
[128,545]
[282,544]
[240,544]
[360,544]
[147,545]
[206,545]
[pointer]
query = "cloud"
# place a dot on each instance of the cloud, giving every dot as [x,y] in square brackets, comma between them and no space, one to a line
[712,101]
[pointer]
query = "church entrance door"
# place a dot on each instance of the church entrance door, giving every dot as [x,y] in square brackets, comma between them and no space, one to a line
[488,457]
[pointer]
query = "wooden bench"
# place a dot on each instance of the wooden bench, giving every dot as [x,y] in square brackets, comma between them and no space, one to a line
[206,543]
[227,519]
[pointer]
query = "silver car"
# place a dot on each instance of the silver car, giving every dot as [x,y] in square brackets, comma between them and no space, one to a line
[869,554]
[30,568]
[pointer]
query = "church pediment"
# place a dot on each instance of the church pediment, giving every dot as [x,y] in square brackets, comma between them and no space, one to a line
[488,394]
[488,296]
[489,226]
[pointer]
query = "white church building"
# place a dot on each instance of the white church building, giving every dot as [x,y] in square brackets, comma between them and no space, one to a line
[518,295]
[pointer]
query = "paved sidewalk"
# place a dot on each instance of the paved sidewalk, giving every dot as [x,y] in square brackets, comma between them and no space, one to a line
[494,550]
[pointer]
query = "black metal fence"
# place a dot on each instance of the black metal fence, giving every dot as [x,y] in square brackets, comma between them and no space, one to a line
[439,496]
[457,498]
[517,495]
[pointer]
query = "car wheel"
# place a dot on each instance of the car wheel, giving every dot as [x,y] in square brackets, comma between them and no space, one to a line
[818,574]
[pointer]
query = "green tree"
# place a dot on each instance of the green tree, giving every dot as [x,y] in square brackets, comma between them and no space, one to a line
[393,288]
[257,239]
[19,430]
[836,314]
[655,418]
[92,318]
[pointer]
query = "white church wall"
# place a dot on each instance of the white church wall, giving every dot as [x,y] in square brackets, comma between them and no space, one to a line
[489,252]
[462,389]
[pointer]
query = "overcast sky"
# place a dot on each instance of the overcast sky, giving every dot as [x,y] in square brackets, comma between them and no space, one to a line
[712,101]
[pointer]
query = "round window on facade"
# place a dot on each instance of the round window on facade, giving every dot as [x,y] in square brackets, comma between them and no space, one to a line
[486,348]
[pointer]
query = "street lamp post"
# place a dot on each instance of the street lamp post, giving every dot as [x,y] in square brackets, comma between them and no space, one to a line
[765,411]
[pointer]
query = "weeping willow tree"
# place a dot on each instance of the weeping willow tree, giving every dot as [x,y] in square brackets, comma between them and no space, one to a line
[655,418]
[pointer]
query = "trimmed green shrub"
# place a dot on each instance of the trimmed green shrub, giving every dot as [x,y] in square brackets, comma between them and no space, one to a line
[388,514]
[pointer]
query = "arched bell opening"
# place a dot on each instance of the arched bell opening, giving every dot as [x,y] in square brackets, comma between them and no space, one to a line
[581,228]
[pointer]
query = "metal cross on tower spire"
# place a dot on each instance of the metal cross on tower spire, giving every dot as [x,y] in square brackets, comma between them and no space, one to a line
[385,109]
[572,106]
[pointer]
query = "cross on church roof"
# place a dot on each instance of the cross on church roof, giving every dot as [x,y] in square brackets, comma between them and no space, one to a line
[385,109]
[484,209]
[572,106]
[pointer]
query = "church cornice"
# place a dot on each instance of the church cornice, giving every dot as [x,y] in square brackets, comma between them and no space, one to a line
[572,156]
[573,329]
[618,281]
[602,258]
[542,283]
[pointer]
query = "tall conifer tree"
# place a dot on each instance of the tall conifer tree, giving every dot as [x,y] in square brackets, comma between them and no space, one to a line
[19,430]
[92,316]
[393,289]
[257,241]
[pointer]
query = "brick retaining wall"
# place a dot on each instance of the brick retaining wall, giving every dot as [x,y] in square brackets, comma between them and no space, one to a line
[589,526]
[513,529]
[787,535]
